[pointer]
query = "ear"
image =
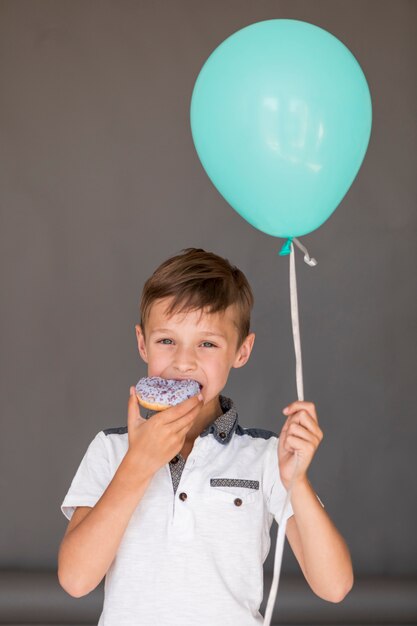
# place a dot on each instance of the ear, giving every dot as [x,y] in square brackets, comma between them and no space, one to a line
[244,351]
[141,343]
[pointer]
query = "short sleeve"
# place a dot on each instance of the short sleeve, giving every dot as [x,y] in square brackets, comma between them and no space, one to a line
[91,478]
[277,492]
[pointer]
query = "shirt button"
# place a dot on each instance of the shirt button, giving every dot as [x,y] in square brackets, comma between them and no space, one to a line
[238,501]
[183,496]
[222,435]
[175,460]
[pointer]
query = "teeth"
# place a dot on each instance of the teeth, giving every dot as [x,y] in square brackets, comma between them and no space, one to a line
[193,379]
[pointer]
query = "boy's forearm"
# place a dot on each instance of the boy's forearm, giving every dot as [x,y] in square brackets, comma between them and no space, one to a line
[88,550]
[325,554]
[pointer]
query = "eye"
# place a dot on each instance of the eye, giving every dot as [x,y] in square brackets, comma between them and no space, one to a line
[162,341]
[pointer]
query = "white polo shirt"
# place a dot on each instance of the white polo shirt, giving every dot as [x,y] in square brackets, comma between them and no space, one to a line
[193,551]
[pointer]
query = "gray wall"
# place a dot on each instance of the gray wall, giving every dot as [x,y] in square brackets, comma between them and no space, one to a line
[100,182]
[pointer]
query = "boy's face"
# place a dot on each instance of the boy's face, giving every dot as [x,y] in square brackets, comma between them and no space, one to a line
[202,348]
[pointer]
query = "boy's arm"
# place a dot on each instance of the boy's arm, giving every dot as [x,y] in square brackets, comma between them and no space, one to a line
[79,513]
[92,539]
[87,551]
[318,546]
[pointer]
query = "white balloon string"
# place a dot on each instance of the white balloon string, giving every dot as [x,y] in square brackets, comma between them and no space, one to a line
[310,261]
[282,524]
[296,324]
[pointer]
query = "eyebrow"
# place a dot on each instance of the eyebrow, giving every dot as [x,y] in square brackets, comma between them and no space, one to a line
[202,332]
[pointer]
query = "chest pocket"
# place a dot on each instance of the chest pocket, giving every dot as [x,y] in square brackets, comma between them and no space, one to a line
[236,491]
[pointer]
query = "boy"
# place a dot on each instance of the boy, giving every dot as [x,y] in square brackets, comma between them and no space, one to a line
[175,510]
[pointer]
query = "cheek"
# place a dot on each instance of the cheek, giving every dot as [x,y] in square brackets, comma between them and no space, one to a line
[156,358]
[216,369]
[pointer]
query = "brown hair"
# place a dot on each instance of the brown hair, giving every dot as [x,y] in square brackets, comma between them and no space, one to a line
[199,280]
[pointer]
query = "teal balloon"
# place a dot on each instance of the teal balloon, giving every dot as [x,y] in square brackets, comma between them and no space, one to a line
[281,118]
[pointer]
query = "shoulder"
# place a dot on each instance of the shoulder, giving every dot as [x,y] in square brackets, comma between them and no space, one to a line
[109,441]
[257,443]
[116,430]
[255,433]
[108,447]
[116,440]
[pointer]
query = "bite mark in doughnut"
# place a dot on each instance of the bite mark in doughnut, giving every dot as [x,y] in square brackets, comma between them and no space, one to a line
[158,393]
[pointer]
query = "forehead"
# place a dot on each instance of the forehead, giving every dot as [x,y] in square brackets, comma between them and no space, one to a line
[224,320]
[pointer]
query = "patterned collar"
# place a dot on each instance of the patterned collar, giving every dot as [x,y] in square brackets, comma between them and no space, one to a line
[223,426]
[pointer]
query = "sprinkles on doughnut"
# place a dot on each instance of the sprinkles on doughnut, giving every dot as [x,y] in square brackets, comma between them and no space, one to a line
[157,393]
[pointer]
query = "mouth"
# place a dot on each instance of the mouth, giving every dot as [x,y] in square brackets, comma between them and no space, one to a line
[199,384]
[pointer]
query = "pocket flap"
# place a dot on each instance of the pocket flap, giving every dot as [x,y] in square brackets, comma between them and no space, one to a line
[230,489]
[234,482]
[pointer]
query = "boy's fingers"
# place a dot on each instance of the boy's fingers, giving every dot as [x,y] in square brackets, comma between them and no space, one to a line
[300,405]
[181,410]
[185,422]
[303,433]
[286,424]
[309,423]
[304,419]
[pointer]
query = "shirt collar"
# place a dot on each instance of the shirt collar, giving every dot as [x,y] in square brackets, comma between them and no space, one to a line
[223,426]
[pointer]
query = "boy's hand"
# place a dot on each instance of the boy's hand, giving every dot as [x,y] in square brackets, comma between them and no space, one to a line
[300,437]
[155,441]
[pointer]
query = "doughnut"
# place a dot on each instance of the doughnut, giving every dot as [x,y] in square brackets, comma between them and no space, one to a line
[157,393]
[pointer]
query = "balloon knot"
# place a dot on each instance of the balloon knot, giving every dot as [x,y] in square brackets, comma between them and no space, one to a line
[286,248]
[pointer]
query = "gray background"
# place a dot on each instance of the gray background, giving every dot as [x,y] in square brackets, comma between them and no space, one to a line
[100,183]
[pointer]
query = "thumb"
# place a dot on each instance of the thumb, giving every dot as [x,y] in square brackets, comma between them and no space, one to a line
[286,425]
[133,412]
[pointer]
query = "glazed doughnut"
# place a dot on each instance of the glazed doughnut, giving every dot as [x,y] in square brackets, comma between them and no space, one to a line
[157,393]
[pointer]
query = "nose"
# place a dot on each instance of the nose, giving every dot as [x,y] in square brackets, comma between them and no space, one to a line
[184,361]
